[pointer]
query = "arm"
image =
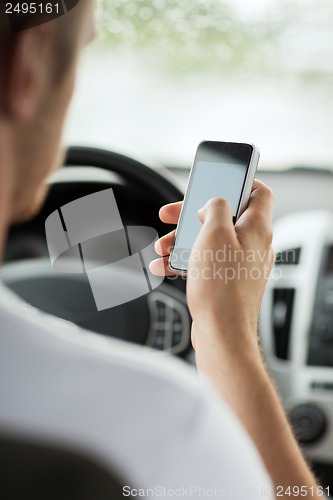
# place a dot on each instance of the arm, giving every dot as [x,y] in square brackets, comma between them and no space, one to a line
[224,297]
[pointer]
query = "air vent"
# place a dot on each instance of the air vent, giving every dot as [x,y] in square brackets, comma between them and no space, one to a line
[283,302]
[328,270]
[289,257]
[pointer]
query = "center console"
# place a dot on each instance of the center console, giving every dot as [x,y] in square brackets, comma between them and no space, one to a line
[296,327]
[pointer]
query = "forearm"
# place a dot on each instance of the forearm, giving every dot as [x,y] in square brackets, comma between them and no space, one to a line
[240,376]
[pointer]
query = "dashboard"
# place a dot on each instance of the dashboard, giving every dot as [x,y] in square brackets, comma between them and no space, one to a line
[296,323]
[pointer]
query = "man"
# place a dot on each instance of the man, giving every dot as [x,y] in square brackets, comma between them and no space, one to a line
[139,411]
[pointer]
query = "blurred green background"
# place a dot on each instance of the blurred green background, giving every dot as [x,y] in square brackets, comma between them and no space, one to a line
[163,75]
[221,36]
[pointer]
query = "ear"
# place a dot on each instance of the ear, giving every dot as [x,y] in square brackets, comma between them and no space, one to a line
[26,72]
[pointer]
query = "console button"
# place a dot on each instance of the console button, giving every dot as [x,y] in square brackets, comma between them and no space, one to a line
[309,422]
[170,326]
[323,327]
[159,340]
[320,356]
[161,311]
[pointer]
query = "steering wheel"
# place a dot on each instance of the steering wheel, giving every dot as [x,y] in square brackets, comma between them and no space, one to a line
[159,319]
[134,171]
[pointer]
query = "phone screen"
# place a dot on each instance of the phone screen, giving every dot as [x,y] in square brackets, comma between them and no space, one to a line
[220,170]
[210,180]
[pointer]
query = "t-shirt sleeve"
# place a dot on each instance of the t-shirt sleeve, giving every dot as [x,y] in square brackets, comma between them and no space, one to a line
[211,455]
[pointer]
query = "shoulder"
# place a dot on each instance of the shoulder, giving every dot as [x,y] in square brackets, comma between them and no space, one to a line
[37,343]
[143,410]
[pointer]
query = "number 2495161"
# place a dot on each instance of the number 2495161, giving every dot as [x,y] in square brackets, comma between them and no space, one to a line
[302,491]
[32,8]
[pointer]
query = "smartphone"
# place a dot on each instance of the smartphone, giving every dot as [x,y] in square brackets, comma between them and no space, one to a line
[220,169]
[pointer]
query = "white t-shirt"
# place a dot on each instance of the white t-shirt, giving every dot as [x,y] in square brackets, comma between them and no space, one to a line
[144,413]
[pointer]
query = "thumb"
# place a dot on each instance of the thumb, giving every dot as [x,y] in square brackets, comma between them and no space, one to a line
[217,213]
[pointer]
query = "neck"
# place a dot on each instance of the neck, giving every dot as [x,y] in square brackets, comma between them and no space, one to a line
[6,181]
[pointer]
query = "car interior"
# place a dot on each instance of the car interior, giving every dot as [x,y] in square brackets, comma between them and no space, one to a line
[282,99]
[32,468]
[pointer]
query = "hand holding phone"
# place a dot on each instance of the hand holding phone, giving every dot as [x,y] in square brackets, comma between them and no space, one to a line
[223,170]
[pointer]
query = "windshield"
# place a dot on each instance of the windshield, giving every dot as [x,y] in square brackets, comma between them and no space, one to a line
[163,75]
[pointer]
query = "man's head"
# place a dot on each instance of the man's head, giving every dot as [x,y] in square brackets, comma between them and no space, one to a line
[37,76]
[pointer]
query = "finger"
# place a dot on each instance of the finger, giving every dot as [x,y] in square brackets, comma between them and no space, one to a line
[261,197]
[164,245]
[169,214]
[256,183]
[258,216]
[160,267]
[217,213]
[218,228]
